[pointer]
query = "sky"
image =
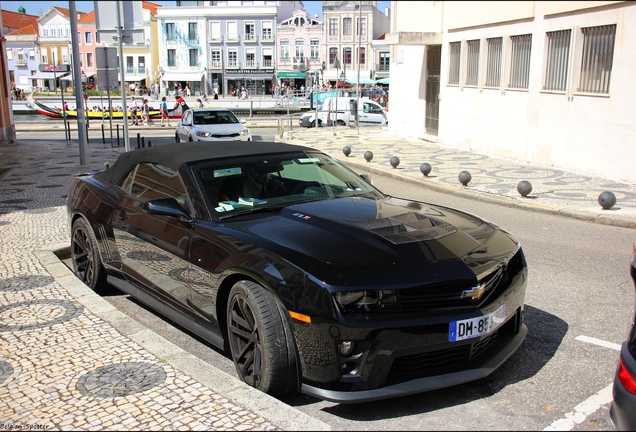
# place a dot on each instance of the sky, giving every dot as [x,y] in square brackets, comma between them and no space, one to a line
[39,7]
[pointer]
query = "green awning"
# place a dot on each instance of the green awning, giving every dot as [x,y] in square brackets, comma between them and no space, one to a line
[291,74]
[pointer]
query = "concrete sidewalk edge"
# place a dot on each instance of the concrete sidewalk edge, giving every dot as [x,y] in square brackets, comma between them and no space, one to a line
[279,414]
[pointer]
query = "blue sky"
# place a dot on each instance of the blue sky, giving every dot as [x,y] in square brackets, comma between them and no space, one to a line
[39,7]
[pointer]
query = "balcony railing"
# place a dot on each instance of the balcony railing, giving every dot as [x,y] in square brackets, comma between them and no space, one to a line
[232,63]
[267,37]
[216,38]
[250,63]
[382,67]
[216,64]
[268,63]
[233,38]
[141,70]
[250,37]
[20,62]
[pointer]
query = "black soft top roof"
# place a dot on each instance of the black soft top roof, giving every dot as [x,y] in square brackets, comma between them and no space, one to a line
[175,155]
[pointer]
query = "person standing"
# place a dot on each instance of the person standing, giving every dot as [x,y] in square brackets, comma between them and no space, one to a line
[164,111]
[133,111]
[199,103]
[145,112]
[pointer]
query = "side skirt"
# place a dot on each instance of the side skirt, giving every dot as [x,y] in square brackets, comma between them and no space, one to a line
[167,311]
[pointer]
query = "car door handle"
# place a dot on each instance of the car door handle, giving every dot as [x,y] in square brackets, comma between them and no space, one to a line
[123,215]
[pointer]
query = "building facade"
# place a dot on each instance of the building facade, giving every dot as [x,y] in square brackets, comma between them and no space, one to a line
[343,21]
[55,45]
[537,81]
[22,56]
[220,46]
[299,42]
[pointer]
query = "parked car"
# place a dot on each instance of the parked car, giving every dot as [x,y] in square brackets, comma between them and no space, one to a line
[312,279]
[623,409]
[342,110]
[211,124]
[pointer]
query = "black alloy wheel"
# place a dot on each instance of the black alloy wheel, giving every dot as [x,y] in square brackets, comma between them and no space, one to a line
[260,339]
[87,264]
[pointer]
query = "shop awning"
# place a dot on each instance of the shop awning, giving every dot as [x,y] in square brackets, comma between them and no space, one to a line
[181,76]
[69,76]
[291,74]
[47,75]
[130,78]
[363,81]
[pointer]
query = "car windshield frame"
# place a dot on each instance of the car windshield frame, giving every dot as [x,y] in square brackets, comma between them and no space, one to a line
[254,184]
[213,117]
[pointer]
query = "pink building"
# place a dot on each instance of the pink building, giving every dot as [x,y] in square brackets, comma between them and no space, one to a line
[299,49]
[87,37]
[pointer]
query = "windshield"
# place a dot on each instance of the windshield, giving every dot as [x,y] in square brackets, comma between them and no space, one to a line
[271,182]
[214,117]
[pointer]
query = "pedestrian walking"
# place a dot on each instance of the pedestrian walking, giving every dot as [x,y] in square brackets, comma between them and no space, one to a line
[199,103]
[164,111]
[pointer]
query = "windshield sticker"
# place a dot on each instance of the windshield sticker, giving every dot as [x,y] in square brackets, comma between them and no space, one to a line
[226,206]
[227,172]
[308,160]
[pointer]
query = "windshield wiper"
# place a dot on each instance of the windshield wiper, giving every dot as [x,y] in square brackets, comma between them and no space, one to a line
[270,209]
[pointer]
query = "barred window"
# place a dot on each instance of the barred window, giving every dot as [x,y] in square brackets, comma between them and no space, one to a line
[520,61]
[453,67]
[598,53]
[472,62]
[556,74]
[493,65]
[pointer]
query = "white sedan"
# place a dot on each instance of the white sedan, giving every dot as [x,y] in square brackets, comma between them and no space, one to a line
[211,124]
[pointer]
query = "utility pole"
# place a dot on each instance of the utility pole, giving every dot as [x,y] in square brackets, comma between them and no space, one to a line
[358,83]
[121,71]
[79,94]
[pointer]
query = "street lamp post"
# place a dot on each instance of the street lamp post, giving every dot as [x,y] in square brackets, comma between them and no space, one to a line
[336,65]
[84,94]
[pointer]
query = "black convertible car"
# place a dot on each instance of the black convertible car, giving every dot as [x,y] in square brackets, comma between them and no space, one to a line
[310,277]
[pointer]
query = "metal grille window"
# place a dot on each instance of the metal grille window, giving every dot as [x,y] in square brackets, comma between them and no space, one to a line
[333,26]
[194,57]
[598,53]
[192,31]
[472,62]
[493,65]
[556,74]
[520,61]
[170,34]
[453,66]
[347,26]
[172,57]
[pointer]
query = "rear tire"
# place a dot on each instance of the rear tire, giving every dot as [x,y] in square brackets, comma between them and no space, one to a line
[260,339]
[176,137]
[87,264]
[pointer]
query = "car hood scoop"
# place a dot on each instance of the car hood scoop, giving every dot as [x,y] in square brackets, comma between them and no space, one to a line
[407,227]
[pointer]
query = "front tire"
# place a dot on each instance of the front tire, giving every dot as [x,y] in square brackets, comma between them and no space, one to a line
[176,137]
[260,339]
[87,264]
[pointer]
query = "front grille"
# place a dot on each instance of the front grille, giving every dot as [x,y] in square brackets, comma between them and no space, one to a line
[451,359]
[232,135]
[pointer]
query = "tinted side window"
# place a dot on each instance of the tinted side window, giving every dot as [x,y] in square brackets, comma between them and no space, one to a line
[154,181]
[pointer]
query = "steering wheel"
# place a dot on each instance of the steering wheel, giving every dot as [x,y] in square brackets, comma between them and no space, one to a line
[303,186]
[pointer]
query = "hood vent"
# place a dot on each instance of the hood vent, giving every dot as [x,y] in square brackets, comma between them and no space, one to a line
[408,228]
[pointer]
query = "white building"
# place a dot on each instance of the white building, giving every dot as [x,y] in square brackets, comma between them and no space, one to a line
[548,82]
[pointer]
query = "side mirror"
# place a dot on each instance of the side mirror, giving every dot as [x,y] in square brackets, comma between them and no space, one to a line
[366,178]
[243,121]
[166,207]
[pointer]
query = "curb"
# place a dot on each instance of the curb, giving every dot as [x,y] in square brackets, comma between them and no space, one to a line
[278,413]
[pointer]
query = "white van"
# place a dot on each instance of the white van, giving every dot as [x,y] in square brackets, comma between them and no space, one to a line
[341,110]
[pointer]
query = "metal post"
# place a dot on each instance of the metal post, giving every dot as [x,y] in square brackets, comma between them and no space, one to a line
[123,81]
[78,74]
[358,83]
[63,109]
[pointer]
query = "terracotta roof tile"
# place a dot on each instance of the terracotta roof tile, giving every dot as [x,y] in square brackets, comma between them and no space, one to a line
[14,20]
[28,30]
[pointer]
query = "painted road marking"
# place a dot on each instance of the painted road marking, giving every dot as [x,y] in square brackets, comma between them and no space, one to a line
[589,405]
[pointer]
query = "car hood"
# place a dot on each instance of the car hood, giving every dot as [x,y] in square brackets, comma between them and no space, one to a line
[362,233]
[220,128]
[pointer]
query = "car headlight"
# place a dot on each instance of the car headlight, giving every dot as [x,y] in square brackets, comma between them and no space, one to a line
[203,134]
[244,132]
[365,301]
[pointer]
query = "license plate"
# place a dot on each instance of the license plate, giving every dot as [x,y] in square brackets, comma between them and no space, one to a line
[475,327]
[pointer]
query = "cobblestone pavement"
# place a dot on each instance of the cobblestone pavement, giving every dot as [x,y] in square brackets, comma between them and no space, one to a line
[68,359]
[492,178]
